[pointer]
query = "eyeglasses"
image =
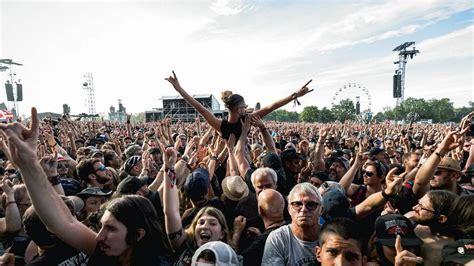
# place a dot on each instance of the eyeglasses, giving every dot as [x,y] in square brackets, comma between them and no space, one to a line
[421,207]
[368,173]
[60,165]
[298,205]
[101,168]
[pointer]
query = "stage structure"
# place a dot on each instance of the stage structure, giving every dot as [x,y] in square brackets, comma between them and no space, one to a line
[88,86]
[13,95]
[399,77]
[176,108]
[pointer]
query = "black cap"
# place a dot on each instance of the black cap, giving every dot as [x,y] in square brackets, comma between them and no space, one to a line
[375,151]
[197,184]
[460,252]
[335,204]
[387,228]
[290,154]
[131,184]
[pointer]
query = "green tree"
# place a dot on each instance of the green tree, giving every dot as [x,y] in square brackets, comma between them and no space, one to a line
[442,110]
[326,116]
[343,111]
[282,115]
[310,114]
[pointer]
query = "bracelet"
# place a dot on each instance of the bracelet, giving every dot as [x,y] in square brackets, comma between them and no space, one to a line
[214,158]
[54,180]
[172,176]
[9,202]
[439,155]
[189,167]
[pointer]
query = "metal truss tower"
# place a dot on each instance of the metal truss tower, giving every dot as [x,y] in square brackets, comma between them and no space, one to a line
[88,85]
[399,78]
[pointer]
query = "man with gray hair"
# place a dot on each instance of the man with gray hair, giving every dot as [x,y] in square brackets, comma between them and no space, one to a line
[294,244]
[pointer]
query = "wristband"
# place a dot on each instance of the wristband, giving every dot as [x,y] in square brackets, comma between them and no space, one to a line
[54,180]
[386,196]
[214,158]
[10,202]
[439,155]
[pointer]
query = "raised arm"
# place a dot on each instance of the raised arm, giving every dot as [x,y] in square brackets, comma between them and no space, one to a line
[377,200]
[242,162]
[232,163]
[422,178]
[210,118]
[272,107]
[12,221]
[267,138]
[318,157]
[346,180]
[49,206]
[173,226]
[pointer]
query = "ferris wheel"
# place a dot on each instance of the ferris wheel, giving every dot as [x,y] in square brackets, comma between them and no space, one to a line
[355,92]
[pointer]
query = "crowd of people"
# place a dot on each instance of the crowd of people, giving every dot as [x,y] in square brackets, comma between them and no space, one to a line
[236,191]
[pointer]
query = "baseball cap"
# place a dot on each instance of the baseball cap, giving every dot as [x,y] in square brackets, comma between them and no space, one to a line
[461,252]
[131,184]
[224,254]
[234,188]
[342,161]
[132,150]
[290,154]
[387,228]
[335,204]
[375,151]
[197,183]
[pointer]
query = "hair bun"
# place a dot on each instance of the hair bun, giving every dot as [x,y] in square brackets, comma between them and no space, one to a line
[225,96]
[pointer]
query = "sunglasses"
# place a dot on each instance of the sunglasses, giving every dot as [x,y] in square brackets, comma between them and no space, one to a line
[101,168]
[60,165]
[368,173]
[298,205]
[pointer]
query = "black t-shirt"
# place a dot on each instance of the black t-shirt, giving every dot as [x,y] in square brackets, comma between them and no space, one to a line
[254,253]
[228,128]
[61,254]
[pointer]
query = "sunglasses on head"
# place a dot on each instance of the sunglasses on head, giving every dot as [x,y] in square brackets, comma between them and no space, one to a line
[367,173]
[311,205]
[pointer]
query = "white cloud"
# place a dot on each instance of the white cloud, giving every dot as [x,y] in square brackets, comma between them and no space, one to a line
[227,7]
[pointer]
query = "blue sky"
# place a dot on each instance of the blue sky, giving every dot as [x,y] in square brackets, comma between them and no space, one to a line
[263,50]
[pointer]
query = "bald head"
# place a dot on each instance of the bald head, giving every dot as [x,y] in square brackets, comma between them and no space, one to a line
[270,203]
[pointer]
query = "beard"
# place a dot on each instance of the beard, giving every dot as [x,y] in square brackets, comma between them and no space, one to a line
[102,180]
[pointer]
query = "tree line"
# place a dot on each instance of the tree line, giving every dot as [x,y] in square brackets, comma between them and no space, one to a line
[434,110]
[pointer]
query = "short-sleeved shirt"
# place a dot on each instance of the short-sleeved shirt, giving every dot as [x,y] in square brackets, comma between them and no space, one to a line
[283,248]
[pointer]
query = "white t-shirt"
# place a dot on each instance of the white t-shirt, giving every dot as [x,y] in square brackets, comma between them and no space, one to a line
[283,248]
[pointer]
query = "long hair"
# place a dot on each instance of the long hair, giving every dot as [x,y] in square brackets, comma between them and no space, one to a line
[442,202]
[214,213]
[137,212]
[462,216]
